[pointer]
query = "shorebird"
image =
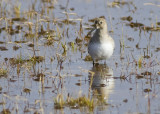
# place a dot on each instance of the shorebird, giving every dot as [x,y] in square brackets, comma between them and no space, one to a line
[101,45]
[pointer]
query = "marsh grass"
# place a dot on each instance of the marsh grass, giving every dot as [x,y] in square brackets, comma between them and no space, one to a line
[77,103]
[21,60]
[143,26]
[5,111]
[59,102]
[122,44]
[140,62]
[3,72]
[36,59]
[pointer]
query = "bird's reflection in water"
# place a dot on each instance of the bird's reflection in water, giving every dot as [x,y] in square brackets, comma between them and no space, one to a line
[102,83]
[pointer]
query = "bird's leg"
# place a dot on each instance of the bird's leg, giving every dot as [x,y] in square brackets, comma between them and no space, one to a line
[93,63]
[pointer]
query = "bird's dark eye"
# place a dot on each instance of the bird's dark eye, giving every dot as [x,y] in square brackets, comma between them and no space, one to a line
[100,22]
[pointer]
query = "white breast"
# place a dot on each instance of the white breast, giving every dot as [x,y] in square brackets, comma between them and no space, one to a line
[101,51]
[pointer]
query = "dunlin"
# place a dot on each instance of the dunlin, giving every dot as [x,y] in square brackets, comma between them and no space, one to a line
[101,45]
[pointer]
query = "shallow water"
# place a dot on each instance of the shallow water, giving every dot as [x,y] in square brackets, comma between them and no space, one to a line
[43,47]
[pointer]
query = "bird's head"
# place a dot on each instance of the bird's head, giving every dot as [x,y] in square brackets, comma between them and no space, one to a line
[100,23]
